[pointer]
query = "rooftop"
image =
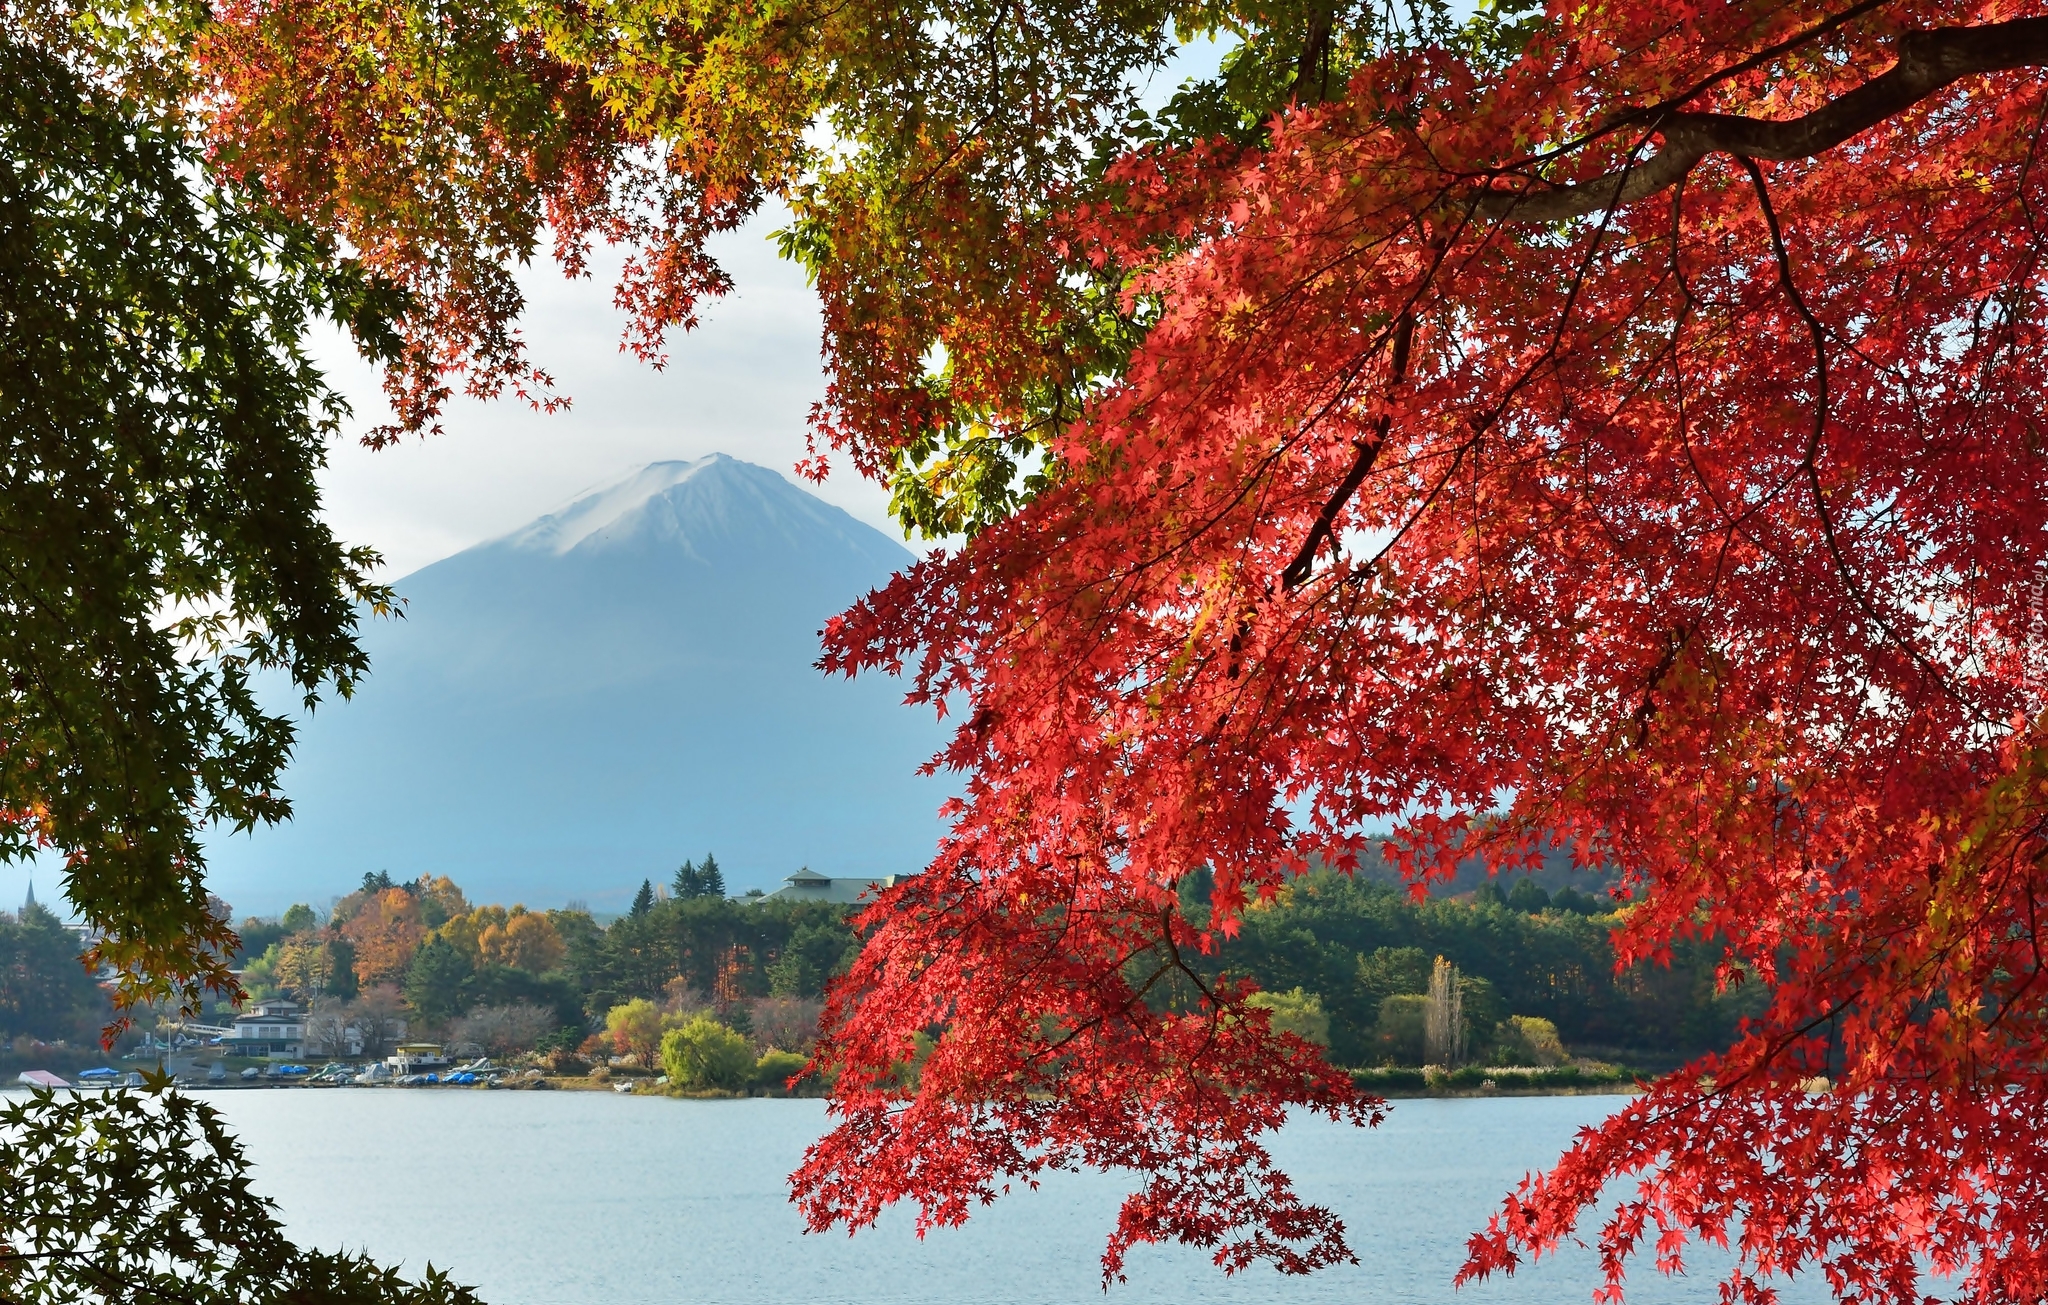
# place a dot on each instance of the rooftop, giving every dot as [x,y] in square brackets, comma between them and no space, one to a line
[807,885]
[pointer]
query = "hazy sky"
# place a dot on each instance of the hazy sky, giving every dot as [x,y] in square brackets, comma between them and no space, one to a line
[741,383]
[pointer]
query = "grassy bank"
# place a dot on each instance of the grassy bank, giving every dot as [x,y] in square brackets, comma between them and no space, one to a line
[1482,1081]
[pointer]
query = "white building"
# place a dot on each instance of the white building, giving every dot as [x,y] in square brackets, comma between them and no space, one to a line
[274,1029]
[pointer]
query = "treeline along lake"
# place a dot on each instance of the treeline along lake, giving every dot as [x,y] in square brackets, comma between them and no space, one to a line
[1349,958]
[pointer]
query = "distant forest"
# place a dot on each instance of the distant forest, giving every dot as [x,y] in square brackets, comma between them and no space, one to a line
[1347,959]
[46,995]
[1366,949]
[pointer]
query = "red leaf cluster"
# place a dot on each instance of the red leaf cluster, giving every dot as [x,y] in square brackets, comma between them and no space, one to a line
[1700,534]
[1048,1044]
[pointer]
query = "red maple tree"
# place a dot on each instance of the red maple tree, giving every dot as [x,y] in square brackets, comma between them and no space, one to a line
[1622,434]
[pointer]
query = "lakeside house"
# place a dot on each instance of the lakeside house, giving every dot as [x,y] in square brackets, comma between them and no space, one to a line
[807,885]
[417,1058]
[271,1030]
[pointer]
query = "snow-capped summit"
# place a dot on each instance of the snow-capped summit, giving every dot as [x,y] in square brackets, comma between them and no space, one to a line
[596,511]
[717,510]
[618,685]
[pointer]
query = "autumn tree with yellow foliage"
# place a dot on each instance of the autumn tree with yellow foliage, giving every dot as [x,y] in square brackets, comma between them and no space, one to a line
[519,938]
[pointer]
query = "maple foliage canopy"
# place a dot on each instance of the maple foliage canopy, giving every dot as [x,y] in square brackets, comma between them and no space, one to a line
[161,547]
[1611,425]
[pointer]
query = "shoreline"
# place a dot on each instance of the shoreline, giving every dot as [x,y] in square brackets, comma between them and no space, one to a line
[1593,1078]
[1461,1094]
[1585,1077]
[583,1085]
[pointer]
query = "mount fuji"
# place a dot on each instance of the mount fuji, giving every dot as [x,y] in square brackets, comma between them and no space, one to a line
[592,698]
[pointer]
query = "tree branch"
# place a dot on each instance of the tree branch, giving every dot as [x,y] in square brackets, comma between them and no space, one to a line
[1299,569]
[1928,61]
[1311,83]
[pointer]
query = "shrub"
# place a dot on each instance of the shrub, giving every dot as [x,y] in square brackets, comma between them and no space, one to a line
[775,1068]
[504,1030]
[563,1061]
[1297,1012]
[706,1054]
[635,1029]
[1528,1040]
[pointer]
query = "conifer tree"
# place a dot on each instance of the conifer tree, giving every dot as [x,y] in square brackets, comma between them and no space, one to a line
[685,885]
[434,982]
[643,901]
[710,879]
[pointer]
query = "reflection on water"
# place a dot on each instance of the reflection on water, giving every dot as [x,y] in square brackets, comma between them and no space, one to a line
[594,1199]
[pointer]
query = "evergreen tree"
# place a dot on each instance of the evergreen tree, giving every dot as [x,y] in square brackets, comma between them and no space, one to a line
[44,992]
[643,901]
[342,981]
[685,885]
[1571,899]
[434,984]
[1528,896]
[710,880]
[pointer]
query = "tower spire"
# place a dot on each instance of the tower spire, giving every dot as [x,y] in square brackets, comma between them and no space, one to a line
[31,892]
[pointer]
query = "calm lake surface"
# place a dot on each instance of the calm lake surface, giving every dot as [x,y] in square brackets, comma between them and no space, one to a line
[551,1198]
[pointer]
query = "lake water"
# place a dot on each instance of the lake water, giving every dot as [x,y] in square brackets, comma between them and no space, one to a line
[552,1198]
